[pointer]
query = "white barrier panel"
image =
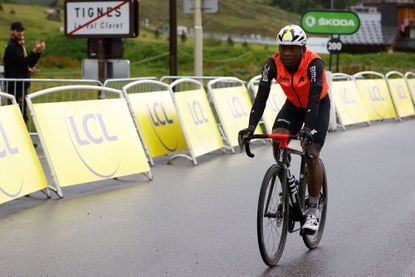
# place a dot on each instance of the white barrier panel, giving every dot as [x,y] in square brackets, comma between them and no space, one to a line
[332,120]
[233,106]
[156,117]
[196,118]
[20,170]
[375,96]
[88,140]
[410,80]
[349,106]
[400,94]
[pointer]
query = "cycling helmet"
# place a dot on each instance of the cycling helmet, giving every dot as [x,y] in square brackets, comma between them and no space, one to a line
[292,35]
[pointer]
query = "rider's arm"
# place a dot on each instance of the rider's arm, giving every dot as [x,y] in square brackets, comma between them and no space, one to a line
[315,74]
[268,73]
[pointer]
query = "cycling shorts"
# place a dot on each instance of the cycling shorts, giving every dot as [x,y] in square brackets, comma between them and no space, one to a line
[292,118]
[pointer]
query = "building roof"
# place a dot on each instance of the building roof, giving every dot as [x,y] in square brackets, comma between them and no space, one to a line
[379,2]
[371,31]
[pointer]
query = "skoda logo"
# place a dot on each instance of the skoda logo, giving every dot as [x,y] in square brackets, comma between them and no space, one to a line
[310,21]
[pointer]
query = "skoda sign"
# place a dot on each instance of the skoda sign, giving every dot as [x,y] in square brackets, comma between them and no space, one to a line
[330,22]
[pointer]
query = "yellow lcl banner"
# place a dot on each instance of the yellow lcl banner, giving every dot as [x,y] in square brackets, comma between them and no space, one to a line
[90,140]
[411,84]
[350,107]
[275,102]
[198,122]
[233,106]
[156,115]
[401,97]
[20,170]
[376,98]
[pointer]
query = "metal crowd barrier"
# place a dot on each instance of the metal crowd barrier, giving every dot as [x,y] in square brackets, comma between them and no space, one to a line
[120,83]
[19,88]
[202,79]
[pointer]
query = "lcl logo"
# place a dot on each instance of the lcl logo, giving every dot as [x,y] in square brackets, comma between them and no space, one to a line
[158,114]
[347,96]
[89,137]
[159,118]
[236,107]
[200,120]
[375,94]
[8,149]
[89,131]
[401,92]
[196,112]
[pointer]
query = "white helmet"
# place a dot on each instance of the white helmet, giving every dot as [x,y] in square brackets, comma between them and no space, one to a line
[292,35]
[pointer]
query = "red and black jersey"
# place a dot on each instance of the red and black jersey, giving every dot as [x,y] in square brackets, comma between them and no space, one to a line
[296,86]
[304,86]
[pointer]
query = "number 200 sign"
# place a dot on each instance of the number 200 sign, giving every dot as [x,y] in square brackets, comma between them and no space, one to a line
[334,46]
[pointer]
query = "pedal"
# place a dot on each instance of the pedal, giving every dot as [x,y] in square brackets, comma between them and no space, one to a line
[308,233]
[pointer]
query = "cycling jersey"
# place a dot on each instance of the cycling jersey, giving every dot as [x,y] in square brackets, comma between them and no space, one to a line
[297,85]
[304,86]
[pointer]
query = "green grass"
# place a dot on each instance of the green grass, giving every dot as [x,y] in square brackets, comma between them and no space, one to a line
[149,55]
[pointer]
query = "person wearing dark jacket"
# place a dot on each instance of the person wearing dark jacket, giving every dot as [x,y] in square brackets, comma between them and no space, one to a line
[17,62]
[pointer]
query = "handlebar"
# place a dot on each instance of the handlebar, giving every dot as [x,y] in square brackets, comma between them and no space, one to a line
[283,138]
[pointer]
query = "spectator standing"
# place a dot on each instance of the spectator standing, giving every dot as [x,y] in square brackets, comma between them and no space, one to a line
[17,62]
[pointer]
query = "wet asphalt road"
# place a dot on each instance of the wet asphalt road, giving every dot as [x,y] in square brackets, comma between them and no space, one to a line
[201,220]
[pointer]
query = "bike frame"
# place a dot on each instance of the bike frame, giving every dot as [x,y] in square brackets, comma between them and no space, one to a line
[283,161]
[290,202]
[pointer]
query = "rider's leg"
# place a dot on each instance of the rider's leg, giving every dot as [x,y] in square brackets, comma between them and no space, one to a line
[314,167]
[314,170]
[314,177]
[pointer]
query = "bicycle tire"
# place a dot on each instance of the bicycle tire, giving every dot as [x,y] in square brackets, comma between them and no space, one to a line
[271,242]
[312,241]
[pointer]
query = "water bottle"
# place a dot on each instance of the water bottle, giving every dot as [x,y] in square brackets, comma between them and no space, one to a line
[292,187]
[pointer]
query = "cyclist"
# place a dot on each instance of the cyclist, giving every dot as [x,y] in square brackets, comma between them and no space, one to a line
[301,75]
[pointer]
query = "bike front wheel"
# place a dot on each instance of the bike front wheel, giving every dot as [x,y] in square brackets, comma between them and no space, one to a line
[272,216]
[312,241]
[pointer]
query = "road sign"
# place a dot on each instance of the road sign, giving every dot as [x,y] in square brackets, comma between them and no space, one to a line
[330,22]
[101,19]
[334,46]
[208,6]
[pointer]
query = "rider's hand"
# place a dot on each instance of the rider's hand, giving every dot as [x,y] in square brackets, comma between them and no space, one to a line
[245,135]
[305,136]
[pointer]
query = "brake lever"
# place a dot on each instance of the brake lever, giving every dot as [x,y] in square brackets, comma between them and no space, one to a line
[248,150]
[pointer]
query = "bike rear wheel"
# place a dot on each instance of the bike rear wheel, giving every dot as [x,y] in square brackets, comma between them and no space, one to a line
[272,216]
[312,241]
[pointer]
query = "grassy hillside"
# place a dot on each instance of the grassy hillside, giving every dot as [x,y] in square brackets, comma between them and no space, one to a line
[148,53]
[233,16]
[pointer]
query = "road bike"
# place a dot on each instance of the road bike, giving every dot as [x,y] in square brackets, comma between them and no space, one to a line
[283,201]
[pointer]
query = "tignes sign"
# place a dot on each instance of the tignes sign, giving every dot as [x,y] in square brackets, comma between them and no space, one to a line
[330,22]
[101,19]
